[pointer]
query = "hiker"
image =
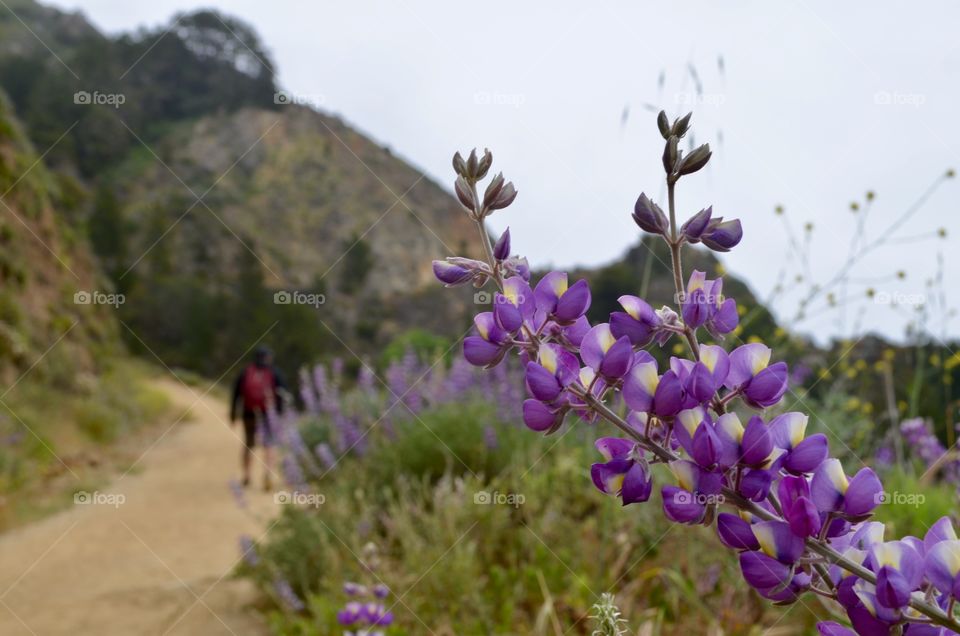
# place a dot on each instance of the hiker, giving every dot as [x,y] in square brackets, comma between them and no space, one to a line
[259,388]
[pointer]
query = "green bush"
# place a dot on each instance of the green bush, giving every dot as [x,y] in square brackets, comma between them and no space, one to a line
[98,421]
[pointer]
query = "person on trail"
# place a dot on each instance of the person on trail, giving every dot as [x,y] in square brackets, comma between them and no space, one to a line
[258,391]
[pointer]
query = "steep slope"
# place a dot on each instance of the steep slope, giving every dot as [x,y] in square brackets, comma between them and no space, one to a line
[221,213]
[44,265]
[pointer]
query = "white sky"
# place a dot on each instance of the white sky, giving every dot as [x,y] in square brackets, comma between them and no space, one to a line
[544,85]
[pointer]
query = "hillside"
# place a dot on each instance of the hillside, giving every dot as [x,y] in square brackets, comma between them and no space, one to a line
[44,263]
[303,187]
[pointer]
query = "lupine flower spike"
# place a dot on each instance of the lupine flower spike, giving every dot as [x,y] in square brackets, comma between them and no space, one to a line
[796,519]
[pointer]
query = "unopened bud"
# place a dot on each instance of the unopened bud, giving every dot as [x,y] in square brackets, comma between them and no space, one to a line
[506,196]
[670,154]
[649,216]
[663,124]
[721,236]
[484,165]
[493,190]
[459,165]
[501,249]
[695,160]
[465,194]
[682,125]
[472,164]
[696,225]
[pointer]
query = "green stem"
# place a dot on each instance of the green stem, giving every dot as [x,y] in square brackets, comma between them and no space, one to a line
[675,246]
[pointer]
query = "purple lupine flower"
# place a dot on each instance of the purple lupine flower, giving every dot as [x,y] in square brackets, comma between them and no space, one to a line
[307,393]
[736,533]
[789,520]
[542,417]
[798,507]
[325,454]
[354,589]
[798,454]
[687,502]
[490,438]
[366,379]
[248,550]
[609,356]
[751,373]
[625,473]
[899,569]
[832,491]
[292,473]
[554,370]
[489,347]
[638,321]
[562,303]
[704,305]
[644,390]
[514,305]
[365,613]
[286,594]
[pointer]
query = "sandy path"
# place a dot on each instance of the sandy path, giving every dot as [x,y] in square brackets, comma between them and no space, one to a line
[139,568]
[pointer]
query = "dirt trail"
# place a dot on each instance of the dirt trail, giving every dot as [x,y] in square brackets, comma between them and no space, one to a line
[138,568]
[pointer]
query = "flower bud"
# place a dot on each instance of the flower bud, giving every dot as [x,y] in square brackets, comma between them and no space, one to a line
[484,165]
[459,165]
[501,250]
[450,274]
[721,236]
[696,225]
[472,164]
[493,190]
[649,216]
[663,124]
[682,125]
[465,194]
[506,196]
[670,154]
[695,160]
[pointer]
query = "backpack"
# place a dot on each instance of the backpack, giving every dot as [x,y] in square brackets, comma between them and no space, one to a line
[257,389]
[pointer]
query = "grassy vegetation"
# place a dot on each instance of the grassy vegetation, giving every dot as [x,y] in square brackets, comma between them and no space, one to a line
[50,448]
[463,567]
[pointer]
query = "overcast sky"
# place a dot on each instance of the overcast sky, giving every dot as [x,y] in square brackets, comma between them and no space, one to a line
[816,103]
